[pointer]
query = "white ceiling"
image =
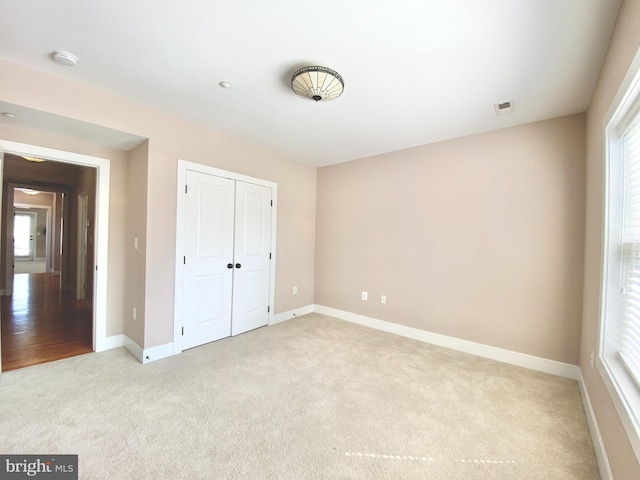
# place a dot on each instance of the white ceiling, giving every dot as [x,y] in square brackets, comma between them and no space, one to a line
[415,72]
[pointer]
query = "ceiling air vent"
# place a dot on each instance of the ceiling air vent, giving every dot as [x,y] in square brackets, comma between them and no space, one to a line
[503,108]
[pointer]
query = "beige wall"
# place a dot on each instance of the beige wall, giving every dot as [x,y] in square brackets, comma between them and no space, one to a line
[622,48]
[171,139]
[136,226]
[478,238]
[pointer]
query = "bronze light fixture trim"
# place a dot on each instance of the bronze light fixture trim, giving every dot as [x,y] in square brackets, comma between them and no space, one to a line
[317,83]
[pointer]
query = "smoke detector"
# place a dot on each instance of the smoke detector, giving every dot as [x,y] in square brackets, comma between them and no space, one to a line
[64,58]
[503,108]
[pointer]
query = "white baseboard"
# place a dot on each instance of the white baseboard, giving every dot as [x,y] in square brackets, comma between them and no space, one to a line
[133,348]
[146,355]
[115,341]
[157,353]
[596,437]
[290,314]
[494,353]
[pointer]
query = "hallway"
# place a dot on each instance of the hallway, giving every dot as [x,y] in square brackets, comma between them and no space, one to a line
[40,323]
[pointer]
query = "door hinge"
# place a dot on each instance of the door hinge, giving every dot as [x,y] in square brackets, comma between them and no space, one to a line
[182,330]
[268,309]
[184,260]
[269,256]
[185,189]
[272,203]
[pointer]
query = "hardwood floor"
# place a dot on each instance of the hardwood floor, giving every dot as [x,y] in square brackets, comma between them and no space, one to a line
[41,323]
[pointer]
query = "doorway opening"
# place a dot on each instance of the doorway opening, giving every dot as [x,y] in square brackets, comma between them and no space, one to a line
[24,235]
[42,317]
[61,311]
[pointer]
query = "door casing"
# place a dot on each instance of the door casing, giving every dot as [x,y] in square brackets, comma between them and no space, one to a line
[183,166]
[81,262]
[103,172]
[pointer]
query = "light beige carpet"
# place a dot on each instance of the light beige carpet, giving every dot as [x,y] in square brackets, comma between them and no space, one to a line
[311,398]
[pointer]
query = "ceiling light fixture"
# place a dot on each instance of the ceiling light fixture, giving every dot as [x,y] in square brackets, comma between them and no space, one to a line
[317,83]
[28,191]
[34,159]
[9,115]
[225,85]
[64,58]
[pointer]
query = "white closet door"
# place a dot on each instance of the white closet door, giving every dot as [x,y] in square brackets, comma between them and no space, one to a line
[251,257]
[208,251]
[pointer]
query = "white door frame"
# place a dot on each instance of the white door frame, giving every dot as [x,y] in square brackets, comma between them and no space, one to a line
[81,260]
[183,166]
[102,166]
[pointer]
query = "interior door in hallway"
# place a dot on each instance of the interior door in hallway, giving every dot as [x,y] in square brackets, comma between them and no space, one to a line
[208,252]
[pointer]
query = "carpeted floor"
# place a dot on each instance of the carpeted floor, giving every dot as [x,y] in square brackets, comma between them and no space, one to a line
[311,398]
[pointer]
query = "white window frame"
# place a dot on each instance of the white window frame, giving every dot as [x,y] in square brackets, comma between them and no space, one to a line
[623,390]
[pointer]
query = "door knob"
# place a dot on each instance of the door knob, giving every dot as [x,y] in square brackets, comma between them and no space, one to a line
[238,265]
[229,265]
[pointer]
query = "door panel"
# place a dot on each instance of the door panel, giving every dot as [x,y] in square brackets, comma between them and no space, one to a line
[251,251]
[209,307]
[208,249]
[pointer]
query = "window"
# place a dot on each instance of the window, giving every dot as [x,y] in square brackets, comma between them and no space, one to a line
[619,349]
[629,342]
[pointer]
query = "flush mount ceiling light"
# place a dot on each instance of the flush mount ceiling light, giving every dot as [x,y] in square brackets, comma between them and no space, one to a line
[28,191]
[64,58]
[317,83]
[8,114]
[34,159]
[226,85]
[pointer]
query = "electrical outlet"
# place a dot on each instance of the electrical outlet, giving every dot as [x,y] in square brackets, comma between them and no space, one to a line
[135,312]
[365,296]
[295,290]
[383,299]
[591,358]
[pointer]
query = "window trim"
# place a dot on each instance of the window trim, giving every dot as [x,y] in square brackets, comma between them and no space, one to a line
[622,389]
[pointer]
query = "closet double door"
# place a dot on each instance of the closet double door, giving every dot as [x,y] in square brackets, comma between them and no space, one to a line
[227,262]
